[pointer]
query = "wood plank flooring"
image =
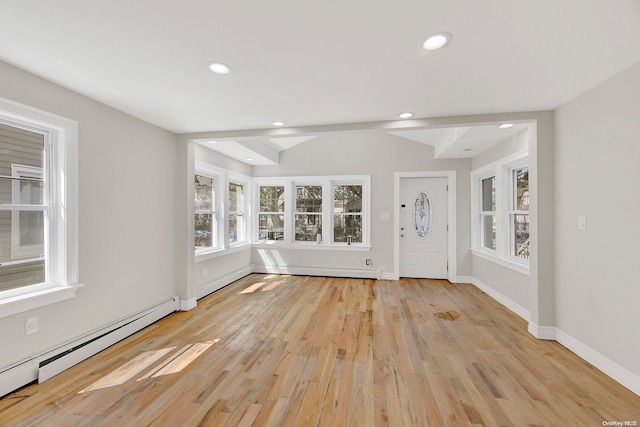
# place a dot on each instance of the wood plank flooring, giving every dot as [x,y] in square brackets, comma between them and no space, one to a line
[313,351]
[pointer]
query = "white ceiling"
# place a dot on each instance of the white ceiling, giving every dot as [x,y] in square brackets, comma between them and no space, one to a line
[322,62]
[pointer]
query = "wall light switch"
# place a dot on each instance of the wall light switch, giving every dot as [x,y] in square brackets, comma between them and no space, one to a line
[582,222]
[31,325]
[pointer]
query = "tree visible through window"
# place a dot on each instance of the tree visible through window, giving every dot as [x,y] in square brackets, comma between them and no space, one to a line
[271,213]
[519,214]
[347,213]
[205,213]
[308,218]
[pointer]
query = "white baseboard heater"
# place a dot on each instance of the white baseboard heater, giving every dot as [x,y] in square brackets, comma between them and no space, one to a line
[52,362]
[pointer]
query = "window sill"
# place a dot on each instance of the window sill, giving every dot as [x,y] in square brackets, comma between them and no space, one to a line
[312,246]
[520,267]
[21,303]
[216,253]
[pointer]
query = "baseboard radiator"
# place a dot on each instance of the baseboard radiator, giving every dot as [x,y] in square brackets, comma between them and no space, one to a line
[317,271]
[52,362]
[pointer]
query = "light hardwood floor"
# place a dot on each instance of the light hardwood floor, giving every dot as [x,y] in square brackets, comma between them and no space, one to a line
[307,351]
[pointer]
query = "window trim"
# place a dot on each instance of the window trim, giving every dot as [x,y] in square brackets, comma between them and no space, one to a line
[62,253]
[501,169]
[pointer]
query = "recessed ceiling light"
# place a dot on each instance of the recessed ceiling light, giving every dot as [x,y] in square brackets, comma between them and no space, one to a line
[437,41]
[506,125]
[278,123]
[249,159]
[219,68]
[212,142]
[406,115]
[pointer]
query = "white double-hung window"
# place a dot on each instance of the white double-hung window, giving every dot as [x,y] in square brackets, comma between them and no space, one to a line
[314,211]
[206,233]
[500,212]
[38,208]
[308,216]
[237,212]
[271,212]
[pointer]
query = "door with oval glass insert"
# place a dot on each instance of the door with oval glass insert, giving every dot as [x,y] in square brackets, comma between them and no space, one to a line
[423,228]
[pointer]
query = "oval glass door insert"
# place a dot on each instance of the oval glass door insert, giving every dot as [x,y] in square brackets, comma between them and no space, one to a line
[422,214]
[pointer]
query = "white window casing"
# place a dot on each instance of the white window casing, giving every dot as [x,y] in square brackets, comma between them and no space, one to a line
[60,207]
[505,239]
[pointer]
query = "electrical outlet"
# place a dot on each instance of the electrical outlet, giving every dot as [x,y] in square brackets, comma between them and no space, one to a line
[31,325]
[369,262]
[204,271]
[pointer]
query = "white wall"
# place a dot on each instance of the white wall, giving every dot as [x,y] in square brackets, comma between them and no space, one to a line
[127,212]
[597,175]
[377,154]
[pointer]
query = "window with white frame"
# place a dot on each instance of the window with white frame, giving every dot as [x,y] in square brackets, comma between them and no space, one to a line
[237,213]
[488,212]
[519,212]
[271,212]
[206,213]
[500,211]
[347,213]
[308,217]
[326,210]
[38,208]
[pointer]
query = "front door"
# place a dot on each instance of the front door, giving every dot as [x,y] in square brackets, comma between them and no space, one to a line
[423,228]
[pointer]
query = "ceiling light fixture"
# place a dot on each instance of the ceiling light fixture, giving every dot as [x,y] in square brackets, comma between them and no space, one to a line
[249,159]
[212,142]
[278,123]
[437,41]
[506,125]
[219,68]
[406,115]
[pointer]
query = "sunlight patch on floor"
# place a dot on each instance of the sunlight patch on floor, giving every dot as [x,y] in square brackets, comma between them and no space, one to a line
[174,364]
[129,370]
[253,288]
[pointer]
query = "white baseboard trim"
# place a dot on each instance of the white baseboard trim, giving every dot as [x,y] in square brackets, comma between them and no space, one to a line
[619,373]
[389,276]
[66,355]
[222,281]
[464,279]
[507,302]
[188,304]
[316,271]
[542,332]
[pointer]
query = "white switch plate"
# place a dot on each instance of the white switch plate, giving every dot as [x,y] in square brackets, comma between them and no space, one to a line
[31,325]
[582,222]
